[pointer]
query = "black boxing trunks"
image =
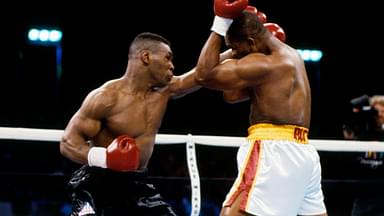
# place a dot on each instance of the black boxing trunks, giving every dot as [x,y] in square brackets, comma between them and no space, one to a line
[99,191]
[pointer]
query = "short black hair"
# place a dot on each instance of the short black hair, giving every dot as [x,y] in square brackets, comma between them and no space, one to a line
[146,40]
[246,25]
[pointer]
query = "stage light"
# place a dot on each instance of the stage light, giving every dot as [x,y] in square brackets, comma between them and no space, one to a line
[310,55]
[48,37]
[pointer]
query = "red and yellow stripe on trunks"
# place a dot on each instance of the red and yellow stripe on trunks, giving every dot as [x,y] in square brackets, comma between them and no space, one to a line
[257,133]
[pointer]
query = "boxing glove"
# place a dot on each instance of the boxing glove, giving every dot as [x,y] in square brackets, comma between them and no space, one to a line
[121,155]
[229,9]
[225,11]
[262,17]
[251,9]
[276,30]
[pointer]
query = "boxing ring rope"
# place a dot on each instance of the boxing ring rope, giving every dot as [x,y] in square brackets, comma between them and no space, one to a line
[54,135]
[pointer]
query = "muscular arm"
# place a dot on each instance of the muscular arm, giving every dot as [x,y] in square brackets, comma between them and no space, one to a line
[232,73]
[209,58]
[183,84]
[226,55]
[186,83]
[85,124]
[212,74]
[235,96]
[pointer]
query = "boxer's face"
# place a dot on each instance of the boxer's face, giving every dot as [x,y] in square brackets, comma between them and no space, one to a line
[162,65]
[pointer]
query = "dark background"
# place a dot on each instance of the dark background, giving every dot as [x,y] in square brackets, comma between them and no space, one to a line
[95,44]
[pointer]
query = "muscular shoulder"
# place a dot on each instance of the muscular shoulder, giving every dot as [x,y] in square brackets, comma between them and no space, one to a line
[252,66]
[101,99]
[259,68]
[262,61]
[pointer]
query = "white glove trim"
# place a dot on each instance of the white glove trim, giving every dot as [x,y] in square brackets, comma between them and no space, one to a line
[97,156]
[221,25]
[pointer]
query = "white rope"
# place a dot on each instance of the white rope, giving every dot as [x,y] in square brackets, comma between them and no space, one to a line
[54,135]
[347,145]
[222,141]
[30,134]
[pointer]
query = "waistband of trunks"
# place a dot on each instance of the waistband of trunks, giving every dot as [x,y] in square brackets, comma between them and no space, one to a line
[266,131]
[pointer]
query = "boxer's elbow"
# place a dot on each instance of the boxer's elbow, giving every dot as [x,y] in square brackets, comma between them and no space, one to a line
[64,147]
[201,79]
[69,149]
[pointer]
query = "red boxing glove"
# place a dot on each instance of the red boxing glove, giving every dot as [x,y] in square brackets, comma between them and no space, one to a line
[276,30]
[262,17]
[251,9]
[229,9]
[123,154]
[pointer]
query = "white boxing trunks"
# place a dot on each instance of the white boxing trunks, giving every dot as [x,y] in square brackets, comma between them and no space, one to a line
[279,173]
